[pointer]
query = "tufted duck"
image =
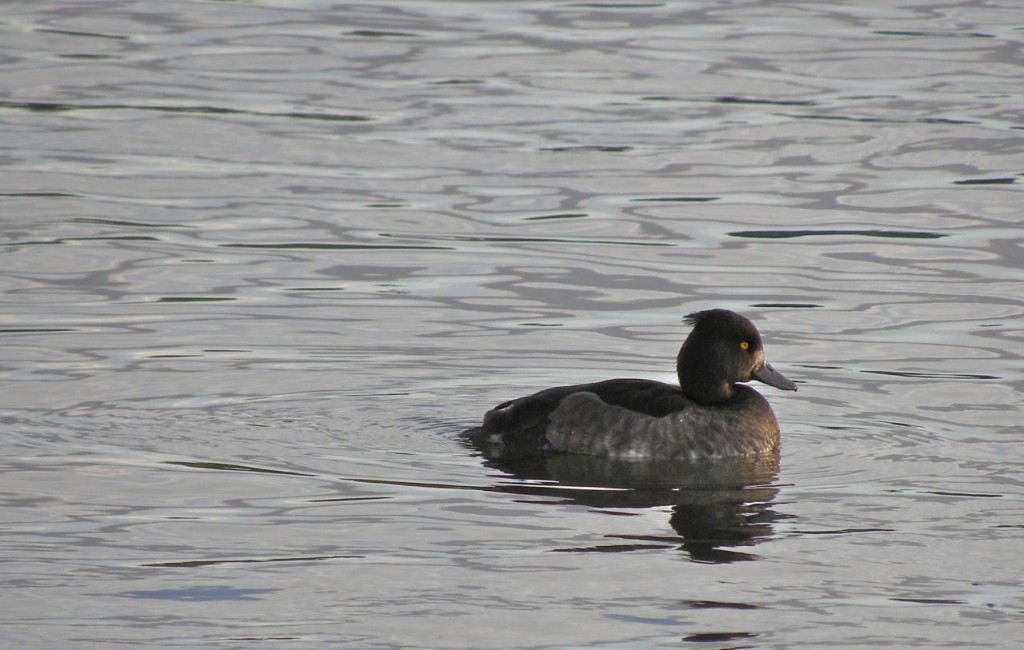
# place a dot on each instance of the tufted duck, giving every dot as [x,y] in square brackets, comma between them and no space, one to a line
[708,415]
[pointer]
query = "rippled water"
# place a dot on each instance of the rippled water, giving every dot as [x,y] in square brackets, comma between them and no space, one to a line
[262,261]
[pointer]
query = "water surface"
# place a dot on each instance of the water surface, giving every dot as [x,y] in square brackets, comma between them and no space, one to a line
[262,261]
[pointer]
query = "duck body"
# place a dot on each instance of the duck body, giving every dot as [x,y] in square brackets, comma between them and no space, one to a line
[708,415]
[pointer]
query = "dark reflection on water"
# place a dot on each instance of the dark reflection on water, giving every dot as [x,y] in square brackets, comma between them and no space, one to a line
[788,234]
[715,504]
[231,467]
[53,107]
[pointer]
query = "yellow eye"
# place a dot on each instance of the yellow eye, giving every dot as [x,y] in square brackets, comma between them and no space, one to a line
[744,345]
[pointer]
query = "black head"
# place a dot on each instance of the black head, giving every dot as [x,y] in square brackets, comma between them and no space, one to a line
[723,349]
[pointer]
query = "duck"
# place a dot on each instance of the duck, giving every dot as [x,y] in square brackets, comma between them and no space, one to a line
[710,414]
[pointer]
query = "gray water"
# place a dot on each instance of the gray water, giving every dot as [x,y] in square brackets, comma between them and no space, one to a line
[262,261]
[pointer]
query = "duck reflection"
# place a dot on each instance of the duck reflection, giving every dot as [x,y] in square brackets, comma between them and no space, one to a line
[716,505]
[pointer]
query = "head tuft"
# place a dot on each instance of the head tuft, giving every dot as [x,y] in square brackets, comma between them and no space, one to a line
[725,321]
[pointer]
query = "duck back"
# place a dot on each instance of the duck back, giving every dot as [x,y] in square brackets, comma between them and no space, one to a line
[521,425]
[629,418]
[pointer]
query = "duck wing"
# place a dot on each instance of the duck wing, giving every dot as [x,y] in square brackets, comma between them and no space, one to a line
[520,425]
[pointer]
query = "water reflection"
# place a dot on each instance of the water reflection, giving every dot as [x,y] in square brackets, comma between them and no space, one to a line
[716,505]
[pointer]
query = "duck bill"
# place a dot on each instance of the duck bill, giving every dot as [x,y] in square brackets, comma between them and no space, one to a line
[772,377]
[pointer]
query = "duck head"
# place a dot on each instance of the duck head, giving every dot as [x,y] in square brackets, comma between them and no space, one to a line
[723,349]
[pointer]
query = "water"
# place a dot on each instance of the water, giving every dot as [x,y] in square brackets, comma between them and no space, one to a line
[262,261]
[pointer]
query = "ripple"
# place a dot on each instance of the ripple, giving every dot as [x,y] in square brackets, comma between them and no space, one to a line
[788,234]
[56,107]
